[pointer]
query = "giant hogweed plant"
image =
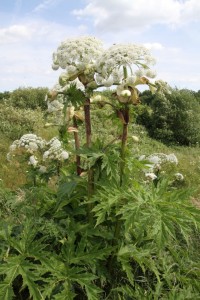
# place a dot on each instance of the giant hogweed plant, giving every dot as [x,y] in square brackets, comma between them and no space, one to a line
[101,234]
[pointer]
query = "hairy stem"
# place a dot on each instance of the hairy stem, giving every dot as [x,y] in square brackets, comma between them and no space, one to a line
[77,146]
[88,132]
[88,123]
[123,143]
[124,136]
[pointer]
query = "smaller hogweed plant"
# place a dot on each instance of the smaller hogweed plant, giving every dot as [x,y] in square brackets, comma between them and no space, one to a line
[158,164]
[101,234]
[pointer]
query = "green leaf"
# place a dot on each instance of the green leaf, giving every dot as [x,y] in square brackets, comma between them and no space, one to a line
[75,96]
[6,291]
[10,268]
[30,275]
[66,189]
[92,292]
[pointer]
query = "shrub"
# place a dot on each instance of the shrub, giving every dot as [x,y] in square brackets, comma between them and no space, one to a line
[4,96]
[171,118]
[15,122]
[29,98]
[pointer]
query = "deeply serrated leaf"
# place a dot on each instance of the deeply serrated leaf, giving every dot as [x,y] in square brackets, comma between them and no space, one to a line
[6,291]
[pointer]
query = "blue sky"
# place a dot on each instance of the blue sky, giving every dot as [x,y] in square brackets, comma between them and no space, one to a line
[31,30]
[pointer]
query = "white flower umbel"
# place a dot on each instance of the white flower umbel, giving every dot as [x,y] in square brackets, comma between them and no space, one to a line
[156,161]
[54,106]
[78,56]
[172,158]
[33,160]
[159,158]
[64,155]
[179,176]
[30,142]
[55,151]
[150,176]
[135,58]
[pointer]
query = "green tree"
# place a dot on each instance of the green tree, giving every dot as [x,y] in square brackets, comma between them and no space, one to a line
[172,117]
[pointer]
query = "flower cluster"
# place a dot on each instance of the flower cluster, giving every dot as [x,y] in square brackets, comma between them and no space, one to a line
[150,176]
[136,59]
[39,150]
[160,158]
[155,162]
[85,59]
[55,151]
[30,142]
[33,161]
[54,106]
[57,99]
[78,57]
[179,176]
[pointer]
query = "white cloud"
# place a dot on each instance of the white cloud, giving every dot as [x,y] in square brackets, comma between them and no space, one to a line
[190,11]
[116,15]
[37,30]
[155,46]
[26,52]
[14,34]
[44,5]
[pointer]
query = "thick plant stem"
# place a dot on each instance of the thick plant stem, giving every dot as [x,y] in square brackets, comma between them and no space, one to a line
[88,123]
[77,146]
[122,162]
[123,150]
[123,143]
[88,132]
[124,136]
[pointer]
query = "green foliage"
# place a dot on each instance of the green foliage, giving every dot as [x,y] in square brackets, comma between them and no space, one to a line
[4,96]
[51,251]
[156,229]
[28,98]
[75,96]
[15,122]
[172,118]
